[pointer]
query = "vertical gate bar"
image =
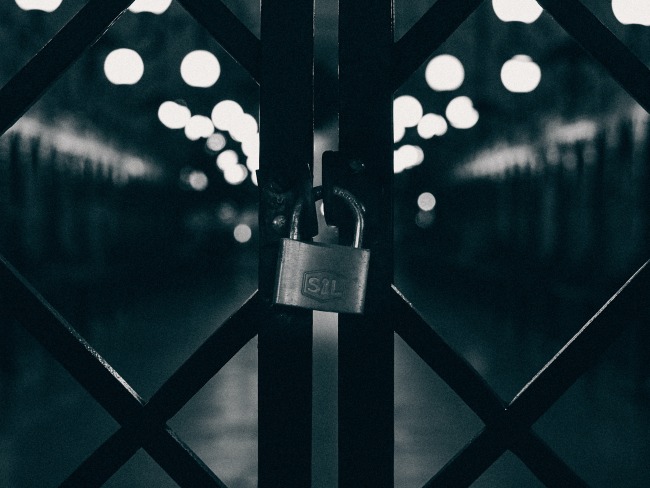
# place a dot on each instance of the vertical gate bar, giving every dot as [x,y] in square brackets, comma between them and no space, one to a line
[366,436]
[286,149]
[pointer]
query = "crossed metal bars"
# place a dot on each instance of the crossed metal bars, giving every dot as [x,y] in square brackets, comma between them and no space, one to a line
[143,424]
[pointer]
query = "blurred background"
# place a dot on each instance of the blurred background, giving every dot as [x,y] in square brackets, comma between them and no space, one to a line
[128,197]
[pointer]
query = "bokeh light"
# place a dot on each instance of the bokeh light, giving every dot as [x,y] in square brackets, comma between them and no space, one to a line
[251,145]
[226,159]
[225,114]
[242,233]
[173,115]
[399,132]
[215,143]
[424,220]
[193,179]
[152,6]
[243,127]
[432,125]
[123,67]
[197,127]
[461,113]
[632,11]
[235,174]
[200,69]
[44,5]
[520,74]
[426,201]
[526,11]
[407,157]
[407,111]
[444,73]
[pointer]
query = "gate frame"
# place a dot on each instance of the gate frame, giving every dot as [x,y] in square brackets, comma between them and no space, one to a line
[367,51]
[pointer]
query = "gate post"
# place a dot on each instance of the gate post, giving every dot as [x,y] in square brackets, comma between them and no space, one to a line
[366,402]
[286,157]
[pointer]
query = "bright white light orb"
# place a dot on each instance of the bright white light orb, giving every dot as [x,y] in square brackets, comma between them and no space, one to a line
[461,113]
[227,159]
[407,157]
[407,111]
[632,11]
[432,125]
[197,127]
[426,201]
[236,174]
[123,67]
[225,114]
[243,128]
[153,6]
[520,74]
[526,11]
[444,73]
[173,115]
[195,179]
[399,131]
[215,143]
[200,69]
[251,146]
[44,5]
[242,233]
[253,163]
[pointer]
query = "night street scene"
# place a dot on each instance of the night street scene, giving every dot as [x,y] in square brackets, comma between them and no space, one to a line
[152,154]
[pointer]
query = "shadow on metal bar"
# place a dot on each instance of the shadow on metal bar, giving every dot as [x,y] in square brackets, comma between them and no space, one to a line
[631,73]
[81,32]
[192,375]
[427,35]
[230,33]
[144,424]
[510,430]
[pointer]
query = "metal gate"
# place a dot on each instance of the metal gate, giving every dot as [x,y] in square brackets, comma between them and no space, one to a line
[372,66]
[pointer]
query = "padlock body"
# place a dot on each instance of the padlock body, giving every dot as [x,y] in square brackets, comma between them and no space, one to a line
[325,277]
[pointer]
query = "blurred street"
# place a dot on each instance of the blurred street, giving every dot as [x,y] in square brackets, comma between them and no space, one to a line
[49,425]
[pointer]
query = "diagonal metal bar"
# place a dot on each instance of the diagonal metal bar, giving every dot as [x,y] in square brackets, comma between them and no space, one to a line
[583,350]
[631,73]
[544,463]
[96,376]
[427,35]
[228,30]
[81,32]
[178,460]
[104,384]
[199,368]
[476,457]
[547,386]
[444,361]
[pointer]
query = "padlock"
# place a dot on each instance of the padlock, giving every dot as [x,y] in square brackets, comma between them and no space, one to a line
[318,276]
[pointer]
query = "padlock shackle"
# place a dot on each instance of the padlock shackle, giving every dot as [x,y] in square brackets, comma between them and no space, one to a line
[353,203]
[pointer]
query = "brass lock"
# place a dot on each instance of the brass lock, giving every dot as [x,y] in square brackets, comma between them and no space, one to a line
[327,277]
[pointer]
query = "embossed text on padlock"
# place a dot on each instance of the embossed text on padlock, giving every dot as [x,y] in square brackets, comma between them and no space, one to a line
[327,277]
